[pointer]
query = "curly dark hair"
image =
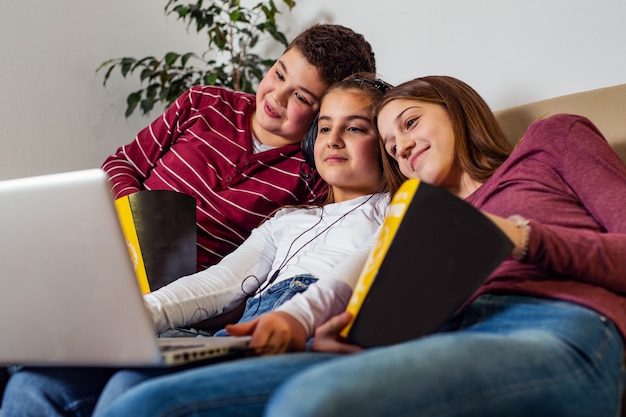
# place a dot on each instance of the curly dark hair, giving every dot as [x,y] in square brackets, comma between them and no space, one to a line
[336,51]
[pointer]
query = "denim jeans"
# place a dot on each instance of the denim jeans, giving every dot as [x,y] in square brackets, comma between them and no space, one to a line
[75,391]
[273,297]
[505,356]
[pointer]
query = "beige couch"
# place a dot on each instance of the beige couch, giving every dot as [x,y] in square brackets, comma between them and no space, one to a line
[605,107]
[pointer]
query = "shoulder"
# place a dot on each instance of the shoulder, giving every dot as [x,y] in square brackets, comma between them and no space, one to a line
[287,213]
[560,146]
[560,137]
[372,207]
[382,198]
[381,202]
[560,130]
[377,203]
[203,95]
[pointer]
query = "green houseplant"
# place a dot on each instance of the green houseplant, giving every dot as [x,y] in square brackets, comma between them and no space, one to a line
[232,29]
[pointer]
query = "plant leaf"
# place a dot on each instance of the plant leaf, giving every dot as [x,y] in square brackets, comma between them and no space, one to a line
[232,31]
[170,58]
[131,102]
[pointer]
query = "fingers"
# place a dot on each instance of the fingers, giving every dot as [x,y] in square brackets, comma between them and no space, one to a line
[277,331]
[333,327]
[327,337]
[241,329]
[270,333]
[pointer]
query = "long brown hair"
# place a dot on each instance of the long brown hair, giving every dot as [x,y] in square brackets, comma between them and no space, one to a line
[479,142]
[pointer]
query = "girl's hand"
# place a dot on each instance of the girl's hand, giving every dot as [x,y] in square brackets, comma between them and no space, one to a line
[327,337]
[275,332]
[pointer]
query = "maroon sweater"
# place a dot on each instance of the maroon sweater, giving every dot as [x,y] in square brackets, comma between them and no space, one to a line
[566,179]
[202,146]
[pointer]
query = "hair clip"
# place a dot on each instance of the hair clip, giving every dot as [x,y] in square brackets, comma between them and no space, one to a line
[377,83]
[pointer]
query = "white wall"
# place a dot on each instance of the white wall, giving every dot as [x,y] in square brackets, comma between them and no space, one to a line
[55,116]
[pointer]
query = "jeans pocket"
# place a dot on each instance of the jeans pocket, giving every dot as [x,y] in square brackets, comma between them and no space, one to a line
[297,284]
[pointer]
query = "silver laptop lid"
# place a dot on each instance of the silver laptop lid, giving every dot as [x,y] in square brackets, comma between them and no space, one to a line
[68,293]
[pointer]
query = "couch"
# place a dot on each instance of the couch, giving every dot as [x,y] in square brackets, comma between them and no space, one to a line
[605,107]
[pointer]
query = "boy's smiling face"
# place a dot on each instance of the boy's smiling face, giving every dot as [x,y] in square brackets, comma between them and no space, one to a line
[287,100]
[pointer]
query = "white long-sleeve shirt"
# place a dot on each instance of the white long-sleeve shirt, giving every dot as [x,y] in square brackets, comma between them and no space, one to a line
[287,242]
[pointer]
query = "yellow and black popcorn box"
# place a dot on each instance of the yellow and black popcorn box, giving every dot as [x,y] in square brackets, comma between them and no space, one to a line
[160,230]
[432,253]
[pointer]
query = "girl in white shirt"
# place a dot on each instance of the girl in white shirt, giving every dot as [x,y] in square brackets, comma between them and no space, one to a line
[300,246]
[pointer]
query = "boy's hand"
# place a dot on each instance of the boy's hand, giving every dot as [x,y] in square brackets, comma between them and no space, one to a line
[327,337]
[275,332]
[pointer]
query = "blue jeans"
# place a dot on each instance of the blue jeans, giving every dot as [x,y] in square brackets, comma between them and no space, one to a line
[504,356]
[273,297]
[75,391]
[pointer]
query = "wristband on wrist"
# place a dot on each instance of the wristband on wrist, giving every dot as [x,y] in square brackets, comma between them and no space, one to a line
[521,249]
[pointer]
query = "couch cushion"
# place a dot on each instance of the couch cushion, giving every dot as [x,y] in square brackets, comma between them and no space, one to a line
[605,107]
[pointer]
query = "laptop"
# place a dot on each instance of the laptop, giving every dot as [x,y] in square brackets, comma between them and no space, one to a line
[68,291]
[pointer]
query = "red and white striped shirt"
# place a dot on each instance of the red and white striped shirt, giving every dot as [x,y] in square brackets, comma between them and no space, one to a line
[202,146]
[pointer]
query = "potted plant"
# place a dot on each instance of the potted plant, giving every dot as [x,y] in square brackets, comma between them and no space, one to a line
[232,32]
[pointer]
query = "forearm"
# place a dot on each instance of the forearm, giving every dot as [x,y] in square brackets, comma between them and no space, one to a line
[568,251]
[123,177]
[321,301]
[191,299]
[588,256]
[216,290]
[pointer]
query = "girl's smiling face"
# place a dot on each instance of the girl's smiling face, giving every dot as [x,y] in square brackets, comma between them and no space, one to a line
[419,136]
[347,153]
